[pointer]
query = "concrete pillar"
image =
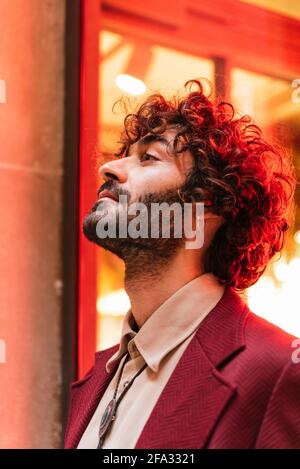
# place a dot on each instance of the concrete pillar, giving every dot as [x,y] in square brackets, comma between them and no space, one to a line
[31,162]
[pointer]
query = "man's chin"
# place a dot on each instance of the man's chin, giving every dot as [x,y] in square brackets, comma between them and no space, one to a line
[90,226]
[90,231]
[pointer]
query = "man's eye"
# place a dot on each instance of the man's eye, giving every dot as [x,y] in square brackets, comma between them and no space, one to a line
[147,157]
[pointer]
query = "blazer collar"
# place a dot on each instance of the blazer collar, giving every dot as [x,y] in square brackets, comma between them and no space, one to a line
[194,396]
[222,333]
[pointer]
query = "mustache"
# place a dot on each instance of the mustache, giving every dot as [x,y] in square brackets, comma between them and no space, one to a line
[114,188]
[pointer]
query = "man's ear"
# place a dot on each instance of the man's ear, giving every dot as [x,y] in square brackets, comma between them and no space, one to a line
[210,216]
[208,212]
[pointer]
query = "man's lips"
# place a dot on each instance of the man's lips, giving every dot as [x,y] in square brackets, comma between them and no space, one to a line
[107,193]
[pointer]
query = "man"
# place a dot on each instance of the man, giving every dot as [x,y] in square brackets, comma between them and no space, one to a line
[195,368]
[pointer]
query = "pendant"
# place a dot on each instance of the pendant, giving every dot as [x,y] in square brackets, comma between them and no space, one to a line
[108,417]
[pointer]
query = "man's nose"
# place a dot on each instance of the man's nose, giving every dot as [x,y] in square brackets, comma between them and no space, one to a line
[113,170]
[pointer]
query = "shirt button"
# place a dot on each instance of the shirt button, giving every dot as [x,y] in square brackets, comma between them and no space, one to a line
[125,384]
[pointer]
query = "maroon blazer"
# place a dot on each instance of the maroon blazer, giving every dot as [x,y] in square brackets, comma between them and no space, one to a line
[235,386]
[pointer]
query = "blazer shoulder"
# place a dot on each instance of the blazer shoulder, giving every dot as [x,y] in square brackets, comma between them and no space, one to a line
[268,342]
[102,356]
[280,427]
[106,353]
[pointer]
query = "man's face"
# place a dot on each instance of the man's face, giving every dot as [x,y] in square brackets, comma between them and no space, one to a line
[150,172]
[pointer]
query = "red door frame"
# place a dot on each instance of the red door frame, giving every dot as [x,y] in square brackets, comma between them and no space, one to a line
[87,269]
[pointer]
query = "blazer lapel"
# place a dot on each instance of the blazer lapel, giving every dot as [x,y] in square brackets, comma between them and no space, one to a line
[197,393]
[85,396]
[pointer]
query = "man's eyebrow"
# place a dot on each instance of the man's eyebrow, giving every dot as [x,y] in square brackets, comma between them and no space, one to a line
[147,139]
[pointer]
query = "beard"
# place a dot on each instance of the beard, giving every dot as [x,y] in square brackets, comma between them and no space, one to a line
[128,248]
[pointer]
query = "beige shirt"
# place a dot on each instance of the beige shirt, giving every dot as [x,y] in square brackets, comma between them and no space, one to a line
[160,343]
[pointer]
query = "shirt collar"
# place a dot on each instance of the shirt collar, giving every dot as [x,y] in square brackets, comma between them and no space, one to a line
[187,307]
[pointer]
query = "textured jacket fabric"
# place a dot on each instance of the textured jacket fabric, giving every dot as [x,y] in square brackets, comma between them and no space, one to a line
[235,386]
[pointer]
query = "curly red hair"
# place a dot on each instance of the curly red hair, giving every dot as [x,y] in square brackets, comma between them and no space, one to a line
[248,181]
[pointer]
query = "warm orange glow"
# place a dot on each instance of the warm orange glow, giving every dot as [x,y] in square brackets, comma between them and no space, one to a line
[278,302]
[113,304]
[130,84]
[284,7]
[297,237]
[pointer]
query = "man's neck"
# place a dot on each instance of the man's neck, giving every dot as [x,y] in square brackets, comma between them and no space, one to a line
[152,285]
